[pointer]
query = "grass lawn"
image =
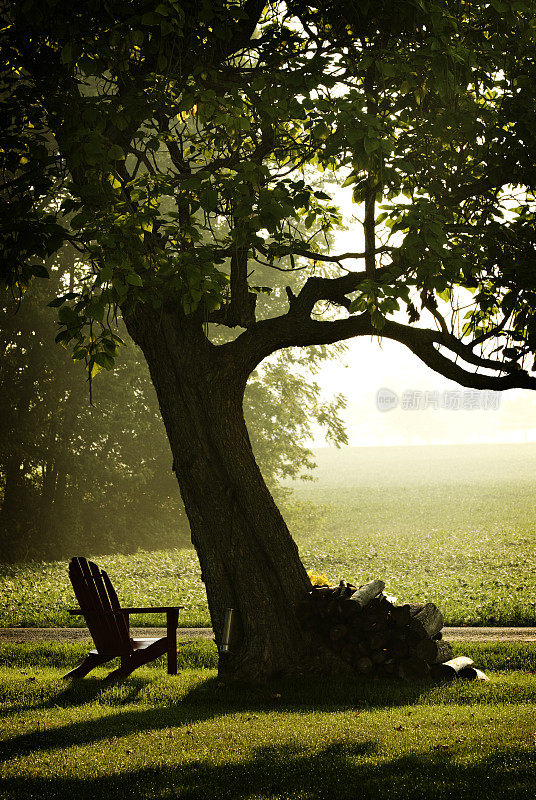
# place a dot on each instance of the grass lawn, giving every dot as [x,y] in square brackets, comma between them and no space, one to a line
[188,737]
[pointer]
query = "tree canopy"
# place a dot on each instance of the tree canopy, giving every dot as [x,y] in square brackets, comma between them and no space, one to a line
[181,140]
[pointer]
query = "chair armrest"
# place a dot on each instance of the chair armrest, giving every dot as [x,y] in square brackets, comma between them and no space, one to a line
[154,610]
[128,610]
[79,613]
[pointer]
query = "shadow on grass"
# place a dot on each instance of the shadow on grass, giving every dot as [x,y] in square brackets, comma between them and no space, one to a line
[339,770]
[209,699]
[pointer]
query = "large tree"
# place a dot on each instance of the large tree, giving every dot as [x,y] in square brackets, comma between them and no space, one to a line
[182,141]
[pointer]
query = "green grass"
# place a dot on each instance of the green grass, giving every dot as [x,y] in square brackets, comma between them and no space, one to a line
[189,737]
[202,654]
[451,525]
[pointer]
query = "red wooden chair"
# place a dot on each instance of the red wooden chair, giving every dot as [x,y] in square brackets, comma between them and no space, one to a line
[108,624]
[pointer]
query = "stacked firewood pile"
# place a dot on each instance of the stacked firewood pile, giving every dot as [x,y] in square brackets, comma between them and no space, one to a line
[381,639]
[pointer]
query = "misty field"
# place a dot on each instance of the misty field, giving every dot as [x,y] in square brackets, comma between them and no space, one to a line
[453,525]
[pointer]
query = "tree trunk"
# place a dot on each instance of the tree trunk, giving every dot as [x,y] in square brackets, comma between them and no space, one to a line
[248,559]
[12,505]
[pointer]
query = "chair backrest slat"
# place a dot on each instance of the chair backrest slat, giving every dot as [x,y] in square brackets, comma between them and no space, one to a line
[122,620]
[110,602]
[106,628]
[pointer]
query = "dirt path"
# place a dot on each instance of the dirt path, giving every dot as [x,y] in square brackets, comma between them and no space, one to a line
[82,634]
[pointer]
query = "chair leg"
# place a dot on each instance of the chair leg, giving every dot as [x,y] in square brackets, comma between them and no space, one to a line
[137,659]
[121,672]
[172,618]
[90,662]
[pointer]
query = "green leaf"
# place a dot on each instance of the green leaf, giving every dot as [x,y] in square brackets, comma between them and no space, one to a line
[151,19]
[115,153]
[79,353]
[68,317]
[66,55]
[105,273]
[371,145]
[134,279]
[95,310]
[57,302]
[104,360]
[39,271]
[94,368]
[377,319]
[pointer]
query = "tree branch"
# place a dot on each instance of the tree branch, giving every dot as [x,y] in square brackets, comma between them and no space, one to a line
[253,10]
[242,306]
[297,329]
[314,256]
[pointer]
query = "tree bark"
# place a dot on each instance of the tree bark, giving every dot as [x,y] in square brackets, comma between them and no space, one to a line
[248,559]
[12,503]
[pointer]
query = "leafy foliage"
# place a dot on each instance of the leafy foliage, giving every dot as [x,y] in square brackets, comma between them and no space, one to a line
[178,144]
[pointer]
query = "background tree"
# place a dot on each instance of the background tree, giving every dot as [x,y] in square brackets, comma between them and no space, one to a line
[182,140]
[101,474]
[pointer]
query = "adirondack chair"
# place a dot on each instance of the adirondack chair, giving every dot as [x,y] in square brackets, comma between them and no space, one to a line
[108,624]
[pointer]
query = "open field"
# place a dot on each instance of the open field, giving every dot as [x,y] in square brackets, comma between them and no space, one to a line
[454,525]
[188,737]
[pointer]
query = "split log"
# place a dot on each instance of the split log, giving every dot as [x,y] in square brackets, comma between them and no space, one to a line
[444,652]
[429,619]
[414,608]
[426,649]
[400,615]
[364,665]
[379,656]
[411,637]
[321,592]
[363,647]
[338,632]
[378,640]
[413,669]
[472,674]
[363,596]
[347,653]
[450,669]
[398,647]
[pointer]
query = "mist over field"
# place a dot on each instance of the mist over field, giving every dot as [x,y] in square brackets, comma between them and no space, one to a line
[433,466]
[454,525]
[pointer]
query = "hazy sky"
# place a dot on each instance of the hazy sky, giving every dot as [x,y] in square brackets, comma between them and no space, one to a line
[430,409]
